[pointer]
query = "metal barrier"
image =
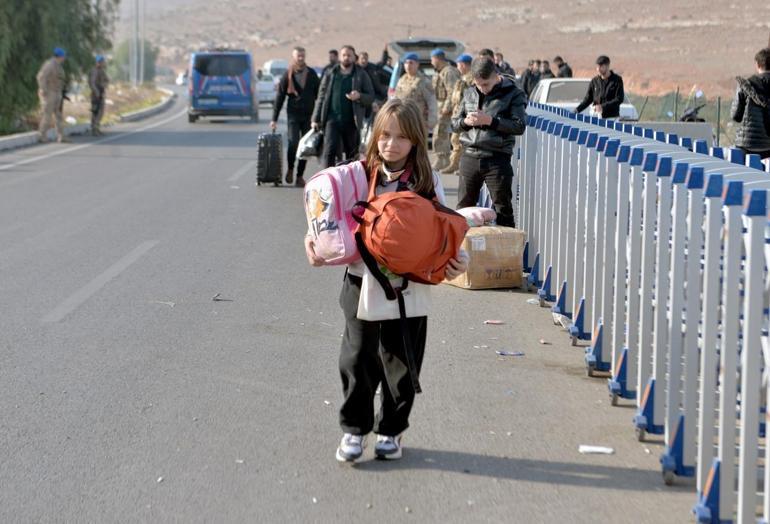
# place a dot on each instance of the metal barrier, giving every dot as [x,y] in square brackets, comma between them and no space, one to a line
[655,249]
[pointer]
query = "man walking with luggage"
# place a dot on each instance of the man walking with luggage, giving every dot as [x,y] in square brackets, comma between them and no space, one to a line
[751,108]
[345,94]
[415,86]
[50,90]
[444,81]
[490,116]
[465,81]
[605,91]
[98,82]
[300,85]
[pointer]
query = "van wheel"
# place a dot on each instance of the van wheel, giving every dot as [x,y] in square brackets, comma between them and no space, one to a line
[192,118]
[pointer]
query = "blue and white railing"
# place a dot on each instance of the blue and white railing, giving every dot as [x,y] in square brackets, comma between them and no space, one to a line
[654,248]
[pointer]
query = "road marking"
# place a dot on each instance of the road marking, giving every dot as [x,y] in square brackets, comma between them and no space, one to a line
[100,141]
[81,295]
[248,166]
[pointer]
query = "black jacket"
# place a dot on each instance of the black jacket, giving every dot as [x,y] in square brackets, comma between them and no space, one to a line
[751,108]
[565,71]
[361,83]
[529,81]
[374,72]
[547,74]
[506,104]
[299,107]
[609,93]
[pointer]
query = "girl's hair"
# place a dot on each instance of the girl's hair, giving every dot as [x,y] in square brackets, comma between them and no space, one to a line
[412,126]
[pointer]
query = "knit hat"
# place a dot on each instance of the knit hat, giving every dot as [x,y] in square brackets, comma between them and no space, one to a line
[438,52]
[59,52]
[465,57]
[411,56]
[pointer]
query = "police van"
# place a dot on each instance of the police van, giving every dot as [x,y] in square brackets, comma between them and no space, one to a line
[221,84]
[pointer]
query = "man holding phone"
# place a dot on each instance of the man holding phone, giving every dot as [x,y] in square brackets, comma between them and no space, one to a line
[491,114]
[344,97]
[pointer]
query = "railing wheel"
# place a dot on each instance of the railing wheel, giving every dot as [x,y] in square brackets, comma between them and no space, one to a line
[641,434]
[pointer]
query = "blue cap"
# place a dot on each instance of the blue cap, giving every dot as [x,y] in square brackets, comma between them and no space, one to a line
[58,51]
[602,142]
[686,142]
[638,131]
[664,166]
[755,162]
[99,58]
[737,156]
[591,142]
[565,131]
[757,205]
[573,135]
[611,149]
[701,147]
[649,133]
[411,56]
[582,137]
[438,52]
[465,58]
[714,186]
[673,138]
[718,152]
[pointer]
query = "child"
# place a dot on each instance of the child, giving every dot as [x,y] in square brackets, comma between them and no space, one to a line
[372,352]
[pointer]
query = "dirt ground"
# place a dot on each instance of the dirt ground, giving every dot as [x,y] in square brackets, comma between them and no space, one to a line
[656,45]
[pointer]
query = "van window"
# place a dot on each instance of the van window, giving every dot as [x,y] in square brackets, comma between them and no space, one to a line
[221,65]
[567,91]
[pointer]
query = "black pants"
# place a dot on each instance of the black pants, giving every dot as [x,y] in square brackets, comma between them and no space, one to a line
[297,128]
[336,134]
[762,154]
[498,174]
[372,353]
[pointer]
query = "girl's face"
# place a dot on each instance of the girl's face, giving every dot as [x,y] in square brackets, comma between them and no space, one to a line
[392,143]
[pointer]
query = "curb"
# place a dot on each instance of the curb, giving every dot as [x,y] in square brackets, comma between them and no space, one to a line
[30,138]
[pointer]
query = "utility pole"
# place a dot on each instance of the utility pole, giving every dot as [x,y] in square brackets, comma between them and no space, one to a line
[133,46]
[141,41]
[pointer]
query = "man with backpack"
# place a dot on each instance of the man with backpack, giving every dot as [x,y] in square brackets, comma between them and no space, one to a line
[300,85]
[345,95]
[490,116]
[751,108]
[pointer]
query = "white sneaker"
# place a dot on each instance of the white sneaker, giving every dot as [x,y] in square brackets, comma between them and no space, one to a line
[351,447]
[388,448]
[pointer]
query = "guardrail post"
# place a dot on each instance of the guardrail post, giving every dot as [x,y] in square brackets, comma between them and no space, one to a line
[755,162]
[576,329]
[545,293]
[623,382]
[605,260]
[559,310]
[649,418]
[751,357]
[673,461]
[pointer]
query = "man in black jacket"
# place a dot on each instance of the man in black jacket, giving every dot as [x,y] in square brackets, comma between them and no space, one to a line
[345,94]
[531,77]
[300,85]
[605,91]
[563,70]
[374,72]
[751,108]
[491,114]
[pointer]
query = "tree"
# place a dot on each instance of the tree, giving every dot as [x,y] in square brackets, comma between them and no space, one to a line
[119,64]
[30,29]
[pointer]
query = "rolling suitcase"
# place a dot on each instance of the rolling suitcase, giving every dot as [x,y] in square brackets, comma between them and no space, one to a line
[269,165]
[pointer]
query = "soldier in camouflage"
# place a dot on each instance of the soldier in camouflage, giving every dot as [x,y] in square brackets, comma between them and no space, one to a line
[465,81]
[98,82]
[415,86]
[50,90]
[443,85]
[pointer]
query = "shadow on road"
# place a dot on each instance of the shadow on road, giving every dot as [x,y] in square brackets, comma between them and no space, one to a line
[573,474]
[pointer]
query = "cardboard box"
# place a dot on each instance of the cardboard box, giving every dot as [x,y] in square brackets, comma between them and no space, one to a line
[496,258]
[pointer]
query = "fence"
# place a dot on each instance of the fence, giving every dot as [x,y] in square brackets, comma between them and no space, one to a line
[654,248]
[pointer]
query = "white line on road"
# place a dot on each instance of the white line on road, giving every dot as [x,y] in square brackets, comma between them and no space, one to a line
[248,166]
[101,141]
[81,295]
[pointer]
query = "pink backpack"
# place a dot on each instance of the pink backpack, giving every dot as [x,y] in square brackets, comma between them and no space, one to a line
[329,199]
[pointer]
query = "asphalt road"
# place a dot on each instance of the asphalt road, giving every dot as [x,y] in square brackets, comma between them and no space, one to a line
[127,394]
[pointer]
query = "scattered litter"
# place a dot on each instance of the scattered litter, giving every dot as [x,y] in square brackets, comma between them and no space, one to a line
[327,403]
[509,392]
[544,342]
[235,187]
[195,419]
[509,433]
[407,509]
[368,505]
[595,450]
[315,500]
[327,324]
[533,301]
[169,304]
[71,120]
[470,503]
[160,479]
[494,322]
[484,347]
[491,432]
[443,341]
[218,298]
[472,329]
[647,450]
[494,338]
[239,461]
[510,353]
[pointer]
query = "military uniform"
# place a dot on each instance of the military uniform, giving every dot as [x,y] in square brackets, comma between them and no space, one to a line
[97,81]
[419,90]
[50,83]
[443,84]
[455,100]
